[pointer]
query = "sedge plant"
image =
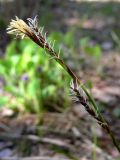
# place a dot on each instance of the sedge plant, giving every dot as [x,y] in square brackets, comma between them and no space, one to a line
[79,92]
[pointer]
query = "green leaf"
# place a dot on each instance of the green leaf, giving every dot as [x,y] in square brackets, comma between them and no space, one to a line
[25,59]
[2,70]
[94,51]
[69,39]
[25,42]
[3,101]
[14,59]
[49,91]
[89,84]
[57,36]
[84,42]
[97,52]
[5,66]
[33,87]
[116,112]
[12,89]
[11,49]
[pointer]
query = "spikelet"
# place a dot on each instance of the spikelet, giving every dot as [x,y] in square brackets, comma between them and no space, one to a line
[77,92]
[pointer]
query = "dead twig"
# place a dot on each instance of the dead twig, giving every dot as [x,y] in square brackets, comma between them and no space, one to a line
[59,133]
[33,158]
[56,142]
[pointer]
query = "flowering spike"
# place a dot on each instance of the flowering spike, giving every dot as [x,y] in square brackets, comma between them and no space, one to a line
[45,36]
[53,45]
[59,52]
[42,29]
[77,92]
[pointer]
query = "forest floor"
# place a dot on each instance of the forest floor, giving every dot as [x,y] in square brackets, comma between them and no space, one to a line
[73,134]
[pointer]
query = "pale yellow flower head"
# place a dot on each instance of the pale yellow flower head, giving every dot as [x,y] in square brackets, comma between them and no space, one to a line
[19,28]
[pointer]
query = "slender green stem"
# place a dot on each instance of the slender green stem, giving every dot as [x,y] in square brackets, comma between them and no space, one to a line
[102,119]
